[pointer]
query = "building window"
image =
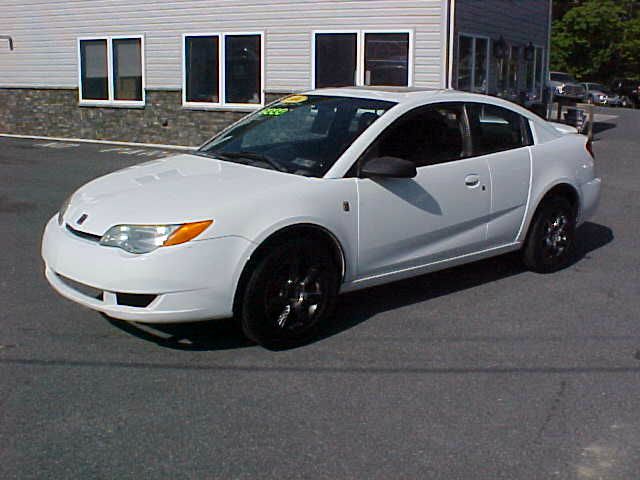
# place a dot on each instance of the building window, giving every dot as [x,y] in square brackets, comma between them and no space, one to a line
[535,69]
[473,64]
[201,69]
[223,70]
[386,59]
[336,59]
[508,73]
[111,71]
[539,69]
[513,68]
[353,58]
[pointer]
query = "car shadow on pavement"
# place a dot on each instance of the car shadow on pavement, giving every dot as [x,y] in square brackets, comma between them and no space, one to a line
[355,308]
[599,127]
[194,336]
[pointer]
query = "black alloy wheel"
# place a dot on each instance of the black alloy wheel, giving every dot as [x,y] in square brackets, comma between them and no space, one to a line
[290,293]
[550,244]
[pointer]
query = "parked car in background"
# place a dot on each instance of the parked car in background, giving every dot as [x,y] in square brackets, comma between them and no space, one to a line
[628,90]
[329,191]
[598,94]
[566,87]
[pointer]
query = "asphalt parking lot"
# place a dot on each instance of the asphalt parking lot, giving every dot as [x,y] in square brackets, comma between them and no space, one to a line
[481,372]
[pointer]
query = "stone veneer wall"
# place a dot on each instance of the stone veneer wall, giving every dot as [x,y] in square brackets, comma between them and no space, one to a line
[55,113]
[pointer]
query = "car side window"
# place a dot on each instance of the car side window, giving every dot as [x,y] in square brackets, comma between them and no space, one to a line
[496,129]
[425,136]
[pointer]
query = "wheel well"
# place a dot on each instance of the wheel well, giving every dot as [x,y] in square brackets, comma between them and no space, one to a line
[566,191]
[307,232]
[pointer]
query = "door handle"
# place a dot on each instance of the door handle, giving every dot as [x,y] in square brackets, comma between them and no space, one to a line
[472,180]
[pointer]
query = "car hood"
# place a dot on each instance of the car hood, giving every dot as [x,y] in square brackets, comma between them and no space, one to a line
[174,190]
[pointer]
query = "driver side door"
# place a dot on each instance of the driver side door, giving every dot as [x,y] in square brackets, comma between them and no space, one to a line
[442,213]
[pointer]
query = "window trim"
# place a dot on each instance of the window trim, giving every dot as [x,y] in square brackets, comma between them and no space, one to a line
[474,37]
[111,101]
[360,52]
[222,104]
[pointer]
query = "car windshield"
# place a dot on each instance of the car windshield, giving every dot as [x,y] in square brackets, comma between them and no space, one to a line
[562,77]
[300,134]
[599,87]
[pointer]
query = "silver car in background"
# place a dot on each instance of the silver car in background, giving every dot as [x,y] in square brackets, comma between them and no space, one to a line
[598,94]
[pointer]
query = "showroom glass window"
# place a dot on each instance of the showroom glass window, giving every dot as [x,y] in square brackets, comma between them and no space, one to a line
[362,58]
[473,63]
[111,71]
[223,70]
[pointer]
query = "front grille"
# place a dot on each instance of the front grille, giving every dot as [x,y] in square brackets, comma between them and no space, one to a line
[138,300]
[85,235]
[573,91]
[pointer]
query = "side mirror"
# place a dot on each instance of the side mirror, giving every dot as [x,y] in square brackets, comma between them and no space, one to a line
[388,167]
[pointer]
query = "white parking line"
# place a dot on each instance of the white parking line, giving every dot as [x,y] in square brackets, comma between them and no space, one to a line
[56,145]
[103,142]
[139,152]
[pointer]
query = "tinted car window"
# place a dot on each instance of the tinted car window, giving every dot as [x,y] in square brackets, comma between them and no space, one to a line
[426,136]
[495,129]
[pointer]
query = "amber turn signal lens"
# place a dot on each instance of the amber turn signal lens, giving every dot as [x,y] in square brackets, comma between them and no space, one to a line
[186,232]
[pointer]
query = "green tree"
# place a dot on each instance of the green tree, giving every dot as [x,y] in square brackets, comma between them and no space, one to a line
[598,39]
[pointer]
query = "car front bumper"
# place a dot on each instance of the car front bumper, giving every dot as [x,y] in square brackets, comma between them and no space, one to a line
[188,282]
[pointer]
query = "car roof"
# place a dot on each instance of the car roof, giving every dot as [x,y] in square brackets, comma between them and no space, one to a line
[413,96]
[394,94]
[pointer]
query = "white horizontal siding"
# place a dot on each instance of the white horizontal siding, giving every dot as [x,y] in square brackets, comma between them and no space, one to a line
[45,33]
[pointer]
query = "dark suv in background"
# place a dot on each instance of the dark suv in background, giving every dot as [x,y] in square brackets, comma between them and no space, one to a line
[628,91]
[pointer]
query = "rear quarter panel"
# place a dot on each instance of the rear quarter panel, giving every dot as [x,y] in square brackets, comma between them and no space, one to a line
[563,160]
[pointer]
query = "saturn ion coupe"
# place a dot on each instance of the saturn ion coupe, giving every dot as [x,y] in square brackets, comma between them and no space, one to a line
[319,194]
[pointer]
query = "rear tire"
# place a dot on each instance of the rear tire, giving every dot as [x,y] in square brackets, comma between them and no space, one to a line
[291,291]
[550,244]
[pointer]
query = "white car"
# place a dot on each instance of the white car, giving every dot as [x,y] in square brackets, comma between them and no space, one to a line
[321,193]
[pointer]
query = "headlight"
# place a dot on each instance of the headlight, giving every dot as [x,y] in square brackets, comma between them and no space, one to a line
[63,209]
[146,238]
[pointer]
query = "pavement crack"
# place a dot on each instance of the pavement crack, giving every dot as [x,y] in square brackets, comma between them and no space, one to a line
[554,411]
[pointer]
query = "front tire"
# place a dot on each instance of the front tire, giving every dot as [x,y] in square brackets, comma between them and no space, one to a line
[291,291]
[550,244]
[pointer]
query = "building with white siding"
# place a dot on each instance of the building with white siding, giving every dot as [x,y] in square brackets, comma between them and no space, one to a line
[178,71]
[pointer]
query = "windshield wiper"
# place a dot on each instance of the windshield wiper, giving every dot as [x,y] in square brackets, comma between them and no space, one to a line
[217,156]
[255,156]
